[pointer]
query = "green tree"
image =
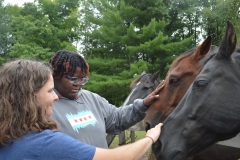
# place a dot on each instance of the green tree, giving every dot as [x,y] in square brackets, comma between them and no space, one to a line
[216,15]
[185,19]
[45,25]
[6,38]
[129,30]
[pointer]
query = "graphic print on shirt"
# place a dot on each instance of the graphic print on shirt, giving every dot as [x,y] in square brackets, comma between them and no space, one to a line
[81,120]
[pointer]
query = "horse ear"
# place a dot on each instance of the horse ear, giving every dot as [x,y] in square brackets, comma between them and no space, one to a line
[203,49]
[156,75]
[155,78]
[144,72]
[228,43]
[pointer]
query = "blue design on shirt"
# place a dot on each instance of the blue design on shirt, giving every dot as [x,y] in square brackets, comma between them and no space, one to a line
[81,119]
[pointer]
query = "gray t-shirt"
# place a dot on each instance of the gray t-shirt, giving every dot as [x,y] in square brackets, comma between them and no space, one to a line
[89,117]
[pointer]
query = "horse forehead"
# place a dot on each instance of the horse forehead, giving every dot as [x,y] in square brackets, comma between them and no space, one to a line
[182,70]
[225,71]
[143,84]
[185,64]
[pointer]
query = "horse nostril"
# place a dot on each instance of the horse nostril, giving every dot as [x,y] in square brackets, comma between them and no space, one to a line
[148,126]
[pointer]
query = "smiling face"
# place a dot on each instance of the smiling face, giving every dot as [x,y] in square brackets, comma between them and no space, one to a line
[66,88]
[46,95]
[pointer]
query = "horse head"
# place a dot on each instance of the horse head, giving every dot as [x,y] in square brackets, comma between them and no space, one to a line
[182,72]
[143,86]
[210,109]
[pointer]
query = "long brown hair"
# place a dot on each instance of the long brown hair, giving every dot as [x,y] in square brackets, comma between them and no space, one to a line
[20,112]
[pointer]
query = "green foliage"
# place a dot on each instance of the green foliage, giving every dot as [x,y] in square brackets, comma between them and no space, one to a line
[111,80]
[119,38]
[30,51]
[107,66]
[185,19]
[216,15]
[49,25]
[131,31]
[136,69]
[5,33]
[115,89]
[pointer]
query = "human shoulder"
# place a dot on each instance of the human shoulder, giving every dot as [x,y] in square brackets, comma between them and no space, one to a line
[49,134]
[57,136]
[89,93]
[93,97]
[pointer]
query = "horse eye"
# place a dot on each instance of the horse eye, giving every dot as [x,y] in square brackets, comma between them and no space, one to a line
[173,80]
[145,88]
[201,83]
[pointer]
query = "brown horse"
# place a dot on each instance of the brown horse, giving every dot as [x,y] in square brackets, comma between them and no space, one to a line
[180,75]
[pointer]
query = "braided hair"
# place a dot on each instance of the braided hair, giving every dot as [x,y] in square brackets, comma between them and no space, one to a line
[65,62]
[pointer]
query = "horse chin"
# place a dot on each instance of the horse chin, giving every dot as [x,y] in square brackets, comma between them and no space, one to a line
[176,154]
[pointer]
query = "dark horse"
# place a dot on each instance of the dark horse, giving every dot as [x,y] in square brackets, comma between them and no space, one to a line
[143,86]
[210,110]
[140,88]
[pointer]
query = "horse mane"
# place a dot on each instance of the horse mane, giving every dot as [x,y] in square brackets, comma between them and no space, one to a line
[212,52]
[144,77]
[183,55]
[214,49]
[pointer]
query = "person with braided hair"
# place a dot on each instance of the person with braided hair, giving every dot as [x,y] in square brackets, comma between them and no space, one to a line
[85,115]
[27,130]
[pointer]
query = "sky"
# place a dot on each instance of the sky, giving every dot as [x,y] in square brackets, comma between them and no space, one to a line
[18,2]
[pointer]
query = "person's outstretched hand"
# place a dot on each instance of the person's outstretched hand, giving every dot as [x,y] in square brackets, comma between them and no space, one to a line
[154,133]
[153,96]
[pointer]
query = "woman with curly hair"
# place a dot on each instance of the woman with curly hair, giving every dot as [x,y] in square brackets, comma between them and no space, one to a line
[27,130]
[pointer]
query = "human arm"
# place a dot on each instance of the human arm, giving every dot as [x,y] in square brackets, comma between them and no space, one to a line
[131,151]
[126,116]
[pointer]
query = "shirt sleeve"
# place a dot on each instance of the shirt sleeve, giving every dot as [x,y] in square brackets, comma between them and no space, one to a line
[119,119]
[60,146]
